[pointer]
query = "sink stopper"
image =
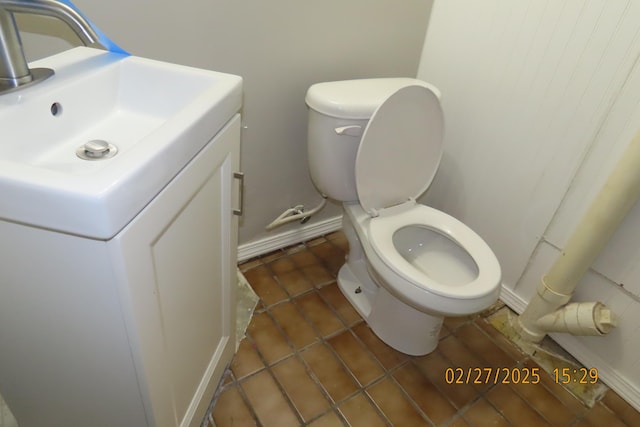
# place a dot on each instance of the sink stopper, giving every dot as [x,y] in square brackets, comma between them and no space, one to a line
[96,149]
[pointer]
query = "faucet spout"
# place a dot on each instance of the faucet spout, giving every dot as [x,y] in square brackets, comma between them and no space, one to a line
[14,72]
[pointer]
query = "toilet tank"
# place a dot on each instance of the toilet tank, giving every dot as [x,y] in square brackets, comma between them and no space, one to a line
[338,115]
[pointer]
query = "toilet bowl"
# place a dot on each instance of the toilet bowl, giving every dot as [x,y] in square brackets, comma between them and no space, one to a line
[433,262]
[376,145]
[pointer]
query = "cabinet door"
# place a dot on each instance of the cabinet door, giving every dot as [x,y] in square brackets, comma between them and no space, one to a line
[177,262]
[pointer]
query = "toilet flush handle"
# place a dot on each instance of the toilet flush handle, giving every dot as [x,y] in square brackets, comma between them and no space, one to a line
[353,130]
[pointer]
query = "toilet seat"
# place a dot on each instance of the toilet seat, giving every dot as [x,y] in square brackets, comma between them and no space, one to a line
[397,159]
[381,231]
[400,149]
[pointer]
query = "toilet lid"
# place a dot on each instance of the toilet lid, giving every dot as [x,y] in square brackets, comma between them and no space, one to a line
[400,149]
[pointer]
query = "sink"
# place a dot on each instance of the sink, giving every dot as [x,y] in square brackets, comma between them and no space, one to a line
[158,115]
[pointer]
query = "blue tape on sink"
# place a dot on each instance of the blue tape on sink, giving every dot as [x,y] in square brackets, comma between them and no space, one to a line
[102,37]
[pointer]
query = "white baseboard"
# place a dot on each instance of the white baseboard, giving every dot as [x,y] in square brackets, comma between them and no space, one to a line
[280,240]
[577,349]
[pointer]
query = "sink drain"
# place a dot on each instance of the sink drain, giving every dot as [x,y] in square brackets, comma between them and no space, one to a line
[96,149]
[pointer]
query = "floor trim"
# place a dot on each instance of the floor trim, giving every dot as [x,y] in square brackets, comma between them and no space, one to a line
[277,241]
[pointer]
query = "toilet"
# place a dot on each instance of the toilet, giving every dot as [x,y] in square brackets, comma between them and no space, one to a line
[375,145]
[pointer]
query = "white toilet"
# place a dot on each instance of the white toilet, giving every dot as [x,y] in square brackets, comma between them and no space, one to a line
[375,145]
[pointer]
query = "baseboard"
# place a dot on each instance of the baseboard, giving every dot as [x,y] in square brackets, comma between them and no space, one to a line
[280,240]
[626,390]
[513,300]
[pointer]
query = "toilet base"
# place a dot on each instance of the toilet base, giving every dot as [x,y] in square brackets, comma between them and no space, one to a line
[359,295]
[399,325]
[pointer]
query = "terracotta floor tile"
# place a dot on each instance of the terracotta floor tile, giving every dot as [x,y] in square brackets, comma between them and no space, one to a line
[315,241]
[491,310]
[227,378]
[265,286]
[246,360]
[503,342]
[268,402]
[281,265]
[334,265]
[304,258]
[299,248]
[483,347]
[394,404]
[340,240]
[301,389]
[294,282]
[330,372]
[269,340]
[387,356]
[424,394]
[452,323]
[325,251]
[231,410]
[459,356]
[444,331]
[481,414]
[545,403]
[330,419]
[434,367]
[559,393]
[248,265]
[363,366]
[456,352]
[335,235]
[600,415]
[266,259]
[457,422]
[618,406]
[359,412]
[318,275]
[293,324]
[318,312]
[333,295]
[332,257]
[315,345]
[514,408]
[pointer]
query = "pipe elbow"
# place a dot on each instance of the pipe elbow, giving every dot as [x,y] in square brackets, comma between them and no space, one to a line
[585,318]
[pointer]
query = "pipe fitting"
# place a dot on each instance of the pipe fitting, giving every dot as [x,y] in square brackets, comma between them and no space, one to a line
[584,318]
[551,295]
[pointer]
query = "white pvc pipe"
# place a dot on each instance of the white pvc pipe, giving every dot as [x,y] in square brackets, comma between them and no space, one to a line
[584,318]
[615,199]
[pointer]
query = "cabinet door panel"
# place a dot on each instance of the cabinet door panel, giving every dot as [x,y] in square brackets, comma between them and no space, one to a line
[177,259]
[190,284]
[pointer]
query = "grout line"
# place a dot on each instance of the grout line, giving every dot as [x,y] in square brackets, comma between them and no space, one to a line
[408,397]
[248,404]
[328,261]
[387,373]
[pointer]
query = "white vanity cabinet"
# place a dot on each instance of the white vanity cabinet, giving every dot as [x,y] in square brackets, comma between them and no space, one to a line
[130,332]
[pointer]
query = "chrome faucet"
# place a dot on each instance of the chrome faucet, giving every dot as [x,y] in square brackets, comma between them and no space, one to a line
[14,72]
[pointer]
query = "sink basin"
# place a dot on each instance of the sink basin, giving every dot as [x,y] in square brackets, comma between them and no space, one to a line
[158,115]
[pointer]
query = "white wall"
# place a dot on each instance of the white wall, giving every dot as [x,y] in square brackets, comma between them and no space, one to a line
[280,47]
[540,98]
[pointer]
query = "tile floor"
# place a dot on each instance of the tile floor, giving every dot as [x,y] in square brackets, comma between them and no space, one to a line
[308,359]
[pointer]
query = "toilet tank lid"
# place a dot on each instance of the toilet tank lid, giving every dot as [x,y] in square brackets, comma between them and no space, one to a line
[356,99]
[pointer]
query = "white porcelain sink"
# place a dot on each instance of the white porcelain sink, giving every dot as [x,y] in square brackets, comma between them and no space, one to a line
[158,115]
